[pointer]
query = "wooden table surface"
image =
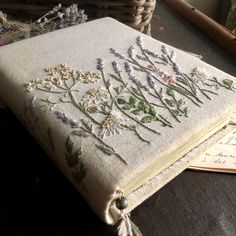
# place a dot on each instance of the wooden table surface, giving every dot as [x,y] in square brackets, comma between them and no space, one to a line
[38,200]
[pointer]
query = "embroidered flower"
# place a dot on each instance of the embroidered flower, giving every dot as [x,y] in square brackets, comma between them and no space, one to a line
[140,41]
[100,63]
[90,77]
[176,69]
[116,67]
[169,79]
[131,51]
[66,120]
[97,95]
[150,53]
[151,82]
[164,49]
[199,75]
[112,124]
[116,54]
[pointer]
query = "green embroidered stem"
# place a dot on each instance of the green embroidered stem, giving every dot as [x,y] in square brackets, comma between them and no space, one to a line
[141,99]
[48,91]
[227,84]
[134,129]
[146,56]
[106,145]
[165,105]
[106,84]
[189,78]
[177,90]
[135,120]
[193,89]
[209,91]
[81,108]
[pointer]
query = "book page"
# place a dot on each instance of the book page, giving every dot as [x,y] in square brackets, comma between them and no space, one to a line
[221,157]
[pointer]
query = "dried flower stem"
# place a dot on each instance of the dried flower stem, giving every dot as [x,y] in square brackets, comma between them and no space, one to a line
[159,97]
[106,145]
[81,108]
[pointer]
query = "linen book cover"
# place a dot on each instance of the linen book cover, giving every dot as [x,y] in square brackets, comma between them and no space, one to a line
[119,112]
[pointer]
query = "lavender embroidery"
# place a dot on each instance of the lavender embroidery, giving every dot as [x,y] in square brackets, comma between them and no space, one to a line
[142,93]
[62,116]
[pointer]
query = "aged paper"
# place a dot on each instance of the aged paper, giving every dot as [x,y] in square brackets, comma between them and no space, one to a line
[221,157]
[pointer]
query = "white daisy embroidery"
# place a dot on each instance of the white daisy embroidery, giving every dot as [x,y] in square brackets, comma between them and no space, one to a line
[112,124]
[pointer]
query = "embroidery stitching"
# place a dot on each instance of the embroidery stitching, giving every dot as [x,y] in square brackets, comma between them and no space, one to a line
[133,103]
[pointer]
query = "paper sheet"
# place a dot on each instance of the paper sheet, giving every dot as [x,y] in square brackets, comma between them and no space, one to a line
[221,157]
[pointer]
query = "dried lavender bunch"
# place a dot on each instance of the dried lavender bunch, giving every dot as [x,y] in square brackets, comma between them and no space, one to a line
[58,18]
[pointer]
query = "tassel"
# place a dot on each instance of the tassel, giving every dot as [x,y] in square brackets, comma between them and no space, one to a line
[127,227]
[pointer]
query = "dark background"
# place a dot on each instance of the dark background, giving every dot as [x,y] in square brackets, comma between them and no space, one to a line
[37,200]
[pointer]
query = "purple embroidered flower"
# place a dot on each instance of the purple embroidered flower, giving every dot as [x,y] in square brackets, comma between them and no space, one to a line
[128,68]
[116,67]
[164,49]
[176,69]
[151,82]
[116,54]
[150,53]
[138,83]
[100,63]
[140,41]
[62,116]
[131,51]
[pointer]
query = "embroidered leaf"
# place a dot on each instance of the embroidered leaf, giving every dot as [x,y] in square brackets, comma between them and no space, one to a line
[87,124]
[170,103]
[185,111]
[117,89]
[132,101]
[141,58]
[137,112]
[80,172]
[127,107]
[170,92]
[180,103]
[72,160]
[182,91]
[143,106]
[78,153]
[182,80]
[80,133]
[147,119]
[69,145]
[121,100]
[152,111]
[228,82]
[105,149]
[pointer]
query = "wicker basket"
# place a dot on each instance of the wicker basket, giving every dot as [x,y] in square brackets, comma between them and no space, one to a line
[135,13]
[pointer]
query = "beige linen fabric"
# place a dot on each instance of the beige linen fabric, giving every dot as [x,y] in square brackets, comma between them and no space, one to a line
[79,47]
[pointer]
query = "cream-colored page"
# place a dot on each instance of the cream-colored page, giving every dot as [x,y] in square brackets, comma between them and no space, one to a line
[221,157]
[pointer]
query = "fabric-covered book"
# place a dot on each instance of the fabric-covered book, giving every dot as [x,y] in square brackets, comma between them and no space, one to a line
[119,112]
